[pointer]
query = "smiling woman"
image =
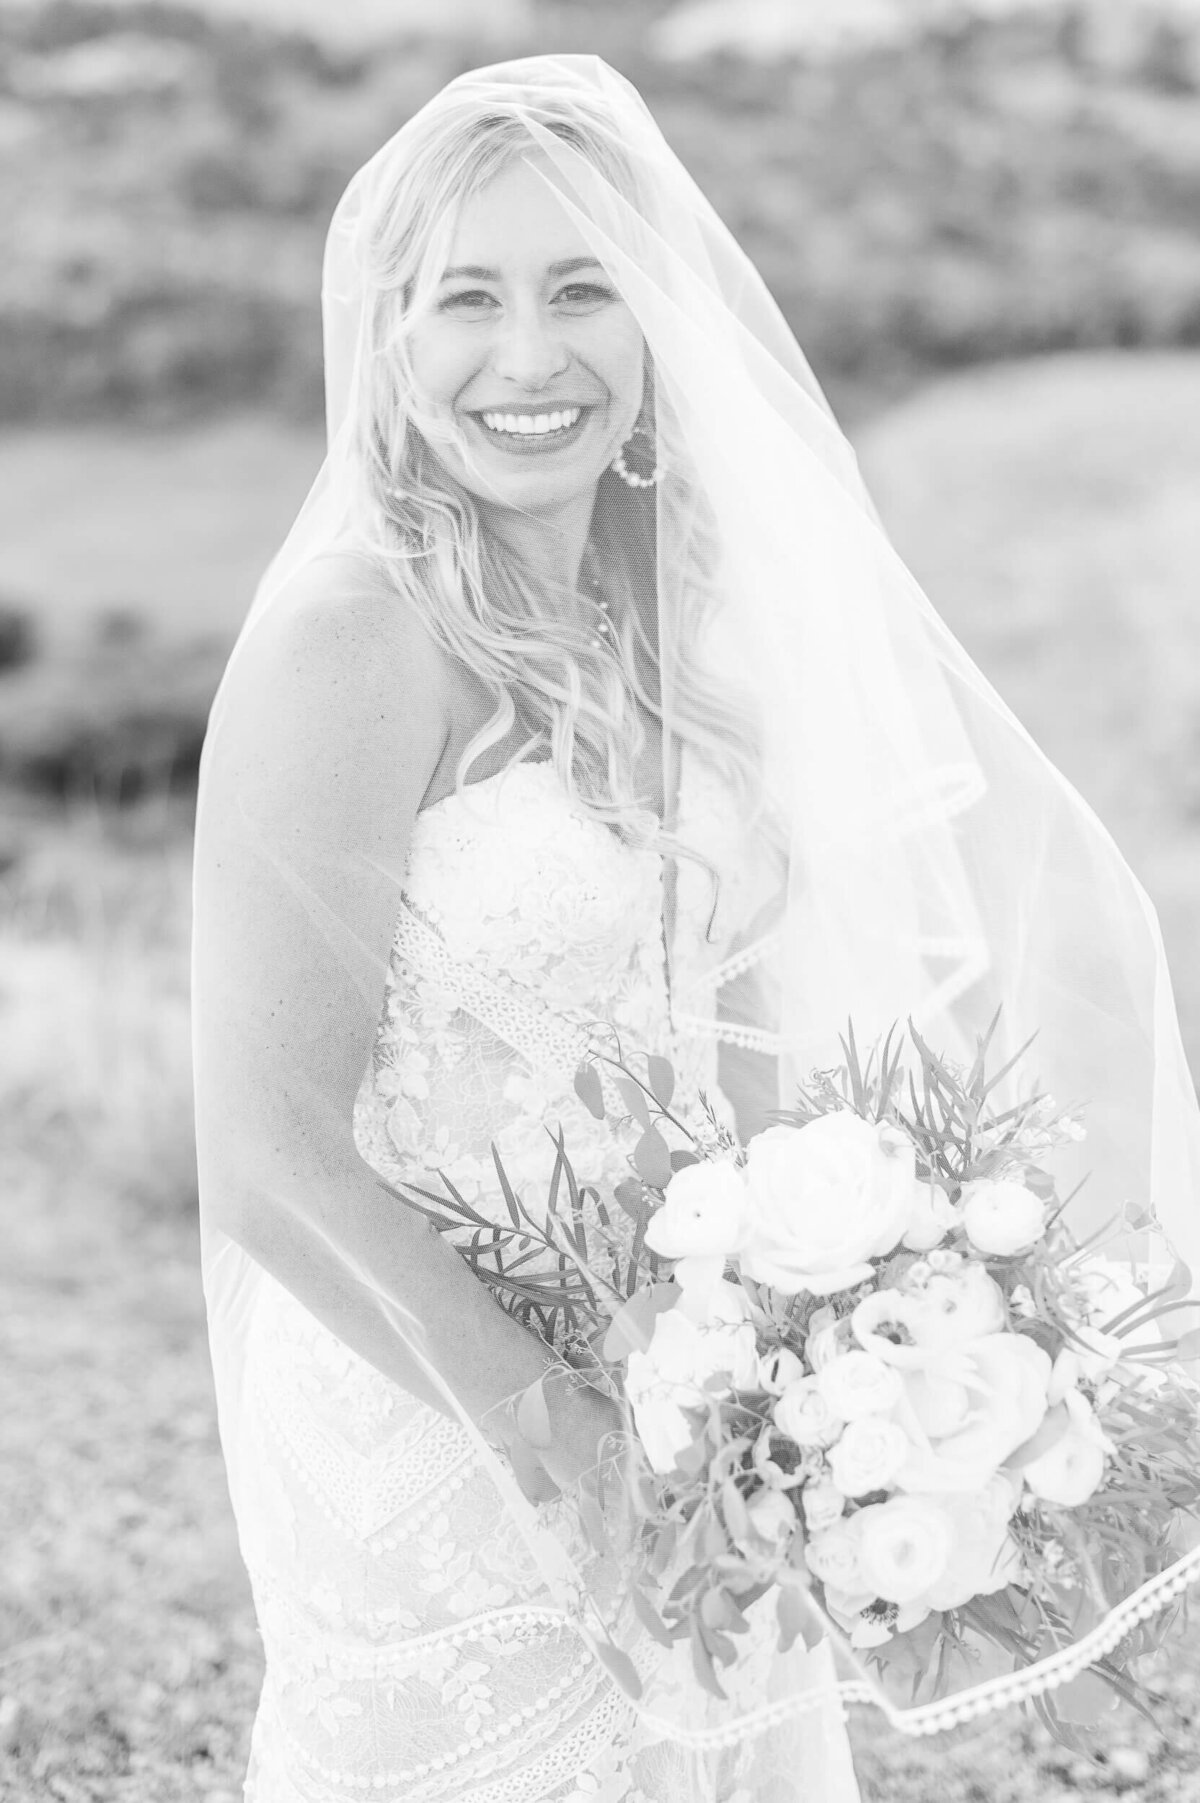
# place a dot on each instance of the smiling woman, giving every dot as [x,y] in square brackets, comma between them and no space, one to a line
[475,579]
[732,780]
[534,364]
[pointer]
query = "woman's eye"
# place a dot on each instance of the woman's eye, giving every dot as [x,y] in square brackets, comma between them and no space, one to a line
[466,298]
[584,293]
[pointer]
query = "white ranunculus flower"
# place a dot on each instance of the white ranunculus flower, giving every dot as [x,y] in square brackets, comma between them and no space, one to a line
[941,1404]
[904,1546]
[1005,1376]
[931,1219]
[1072,1469]
[703,1214]
[983,1555]
[868,1455]
[1001,1217]
[832,1555]
[803,1414]
[824,1199]
[823,1504]
[778,1368]
[858,1383]
[771,1516]
[955,1307]
[667,1378]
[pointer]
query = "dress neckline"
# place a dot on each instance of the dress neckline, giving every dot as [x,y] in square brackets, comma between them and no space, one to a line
[483,782]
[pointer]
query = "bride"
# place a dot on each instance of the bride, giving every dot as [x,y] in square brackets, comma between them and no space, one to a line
[584,639]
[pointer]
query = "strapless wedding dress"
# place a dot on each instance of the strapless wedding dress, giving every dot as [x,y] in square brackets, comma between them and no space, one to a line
[411,1656]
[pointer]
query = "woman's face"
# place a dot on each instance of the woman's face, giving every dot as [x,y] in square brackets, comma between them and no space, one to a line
[530,349]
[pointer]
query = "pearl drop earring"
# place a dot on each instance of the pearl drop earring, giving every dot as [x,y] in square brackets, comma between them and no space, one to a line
[623,470]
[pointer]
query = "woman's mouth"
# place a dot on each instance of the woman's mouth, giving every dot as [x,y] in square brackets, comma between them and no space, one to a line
[533,433]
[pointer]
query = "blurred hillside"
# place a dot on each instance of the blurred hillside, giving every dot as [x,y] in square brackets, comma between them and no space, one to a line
[995,183]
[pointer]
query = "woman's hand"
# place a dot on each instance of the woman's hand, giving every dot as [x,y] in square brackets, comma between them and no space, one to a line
[560,1432]
[583,1423]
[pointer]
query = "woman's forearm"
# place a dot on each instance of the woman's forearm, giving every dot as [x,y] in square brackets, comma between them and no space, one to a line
[381,1277]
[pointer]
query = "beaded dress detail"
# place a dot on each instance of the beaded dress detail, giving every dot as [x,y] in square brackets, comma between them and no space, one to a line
[411,1655]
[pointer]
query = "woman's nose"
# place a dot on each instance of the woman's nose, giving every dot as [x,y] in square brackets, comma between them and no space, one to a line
[530,351]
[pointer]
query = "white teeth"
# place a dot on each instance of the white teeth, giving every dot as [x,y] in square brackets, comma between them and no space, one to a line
[531,423]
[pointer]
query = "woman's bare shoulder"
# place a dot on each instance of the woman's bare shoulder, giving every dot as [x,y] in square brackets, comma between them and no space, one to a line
[345,599]
[341,632]
[335,707]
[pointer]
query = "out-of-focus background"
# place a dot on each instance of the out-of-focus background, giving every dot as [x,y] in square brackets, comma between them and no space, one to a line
[982,221]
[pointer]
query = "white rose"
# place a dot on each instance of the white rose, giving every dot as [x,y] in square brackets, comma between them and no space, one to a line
[803,1414]
[868,1456]
[771,1516]
[832,1555]
[1005,1376]
[823,1504]
[904,1546]
[1071,1470]
[931,1218]
[825,1198]
[668,1378]
[858,1383]
[778,1368]
[703,1213]
[1001,1217]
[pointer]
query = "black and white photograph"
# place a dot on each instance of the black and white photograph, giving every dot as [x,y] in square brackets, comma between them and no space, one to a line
[600,901]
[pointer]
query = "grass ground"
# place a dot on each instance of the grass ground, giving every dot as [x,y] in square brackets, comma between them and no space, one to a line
[128,1655]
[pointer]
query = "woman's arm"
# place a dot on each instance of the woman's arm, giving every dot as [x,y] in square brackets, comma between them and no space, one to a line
[333,722]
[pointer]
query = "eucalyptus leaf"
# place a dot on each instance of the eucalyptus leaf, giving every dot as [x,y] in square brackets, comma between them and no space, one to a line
[589,1089]
[652,1160]
[702,1663]
[631,1328]
[662,1079]
[634,1099]
[628,1192]
[682,1158]
[621,1666]
[791,1615]
[649,1617]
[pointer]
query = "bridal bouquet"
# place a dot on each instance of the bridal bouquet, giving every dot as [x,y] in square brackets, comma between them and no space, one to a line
[868,1364]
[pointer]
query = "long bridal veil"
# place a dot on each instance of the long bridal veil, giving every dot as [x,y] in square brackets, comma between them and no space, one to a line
[909,852]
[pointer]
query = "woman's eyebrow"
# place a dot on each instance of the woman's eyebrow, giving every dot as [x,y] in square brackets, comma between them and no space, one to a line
[479,274]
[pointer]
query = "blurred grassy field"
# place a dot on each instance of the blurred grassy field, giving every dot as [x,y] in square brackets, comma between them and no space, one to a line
[1049,507]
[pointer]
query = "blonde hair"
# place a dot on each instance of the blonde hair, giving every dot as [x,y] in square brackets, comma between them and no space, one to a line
[474,595]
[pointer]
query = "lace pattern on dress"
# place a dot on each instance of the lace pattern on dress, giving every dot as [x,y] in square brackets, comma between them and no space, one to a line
[412,1652]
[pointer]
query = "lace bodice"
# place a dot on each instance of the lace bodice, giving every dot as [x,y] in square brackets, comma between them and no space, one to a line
[528,928]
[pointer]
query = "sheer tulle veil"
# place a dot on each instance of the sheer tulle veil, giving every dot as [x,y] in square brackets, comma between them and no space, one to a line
[910,853]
